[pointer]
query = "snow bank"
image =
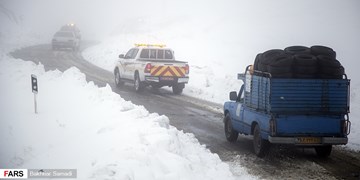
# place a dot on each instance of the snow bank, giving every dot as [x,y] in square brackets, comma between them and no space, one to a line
[354,137]
[93,130]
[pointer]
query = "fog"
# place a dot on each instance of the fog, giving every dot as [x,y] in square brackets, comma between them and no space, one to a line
[232,29]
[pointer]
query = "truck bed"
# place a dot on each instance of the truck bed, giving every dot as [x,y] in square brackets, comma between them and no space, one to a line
[298,96]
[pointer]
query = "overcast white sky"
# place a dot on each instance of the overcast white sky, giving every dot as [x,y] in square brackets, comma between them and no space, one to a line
[220,27]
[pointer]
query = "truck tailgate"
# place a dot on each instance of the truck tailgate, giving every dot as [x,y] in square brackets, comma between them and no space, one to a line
[308,125]
[168,70]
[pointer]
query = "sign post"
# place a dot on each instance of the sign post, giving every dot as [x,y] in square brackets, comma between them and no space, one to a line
[34,87]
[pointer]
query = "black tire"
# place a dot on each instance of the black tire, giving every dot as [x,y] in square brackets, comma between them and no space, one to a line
[323,50]
[331,73]
[138,85]
[311,70]
[262,67]
[283,60]
[293,50]
[256,62]
[279,69]
[178,88]
[323,151]
[282,75]
[230,134]
[304,76]
[326,61]
[261,146]
[332,70]
[269,55]
[118,82]
[305,60]
[281,66]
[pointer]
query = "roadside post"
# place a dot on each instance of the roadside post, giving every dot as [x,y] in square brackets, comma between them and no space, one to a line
[34,87]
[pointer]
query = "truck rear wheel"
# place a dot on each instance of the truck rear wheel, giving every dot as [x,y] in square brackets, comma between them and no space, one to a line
[178,88]
[261,146]
[230,134]
[323,151]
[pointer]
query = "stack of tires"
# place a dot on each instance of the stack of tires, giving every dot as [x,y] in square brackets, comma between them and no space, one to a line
[316,62]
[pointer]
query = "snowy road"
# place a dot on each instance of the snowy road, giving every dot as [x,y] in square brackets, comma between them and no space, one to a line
[203,119]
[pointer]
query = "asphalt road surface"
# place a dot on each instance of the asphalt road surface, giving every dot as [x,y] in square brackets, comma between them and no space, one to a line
[204,120]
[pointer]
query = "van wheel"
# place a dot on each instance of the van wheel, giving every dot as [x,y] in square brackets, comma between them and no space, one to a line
[323,151]
[261,146]
[118,81]
[230,134]
[138,85]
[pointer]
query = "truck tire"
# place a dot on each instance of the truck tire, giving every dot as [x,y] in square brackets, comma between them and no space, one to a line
[305,60]
[297,50]
[268,55]
[281,64]
[178,88]
[323,50]
[261,146]
[138,85]
[256,62]
[282,75]
[323,151]
[306,69]
[118,82]
[330,68]
[230,134]
[328,61]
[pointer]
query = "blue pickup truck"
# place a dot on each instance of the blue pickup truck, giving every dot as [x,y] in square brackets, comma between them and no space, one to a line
[301,112]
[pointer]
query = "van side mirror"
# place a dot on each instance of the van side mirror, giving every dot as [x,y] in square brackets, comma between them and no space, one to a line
[233,95]
[121,56]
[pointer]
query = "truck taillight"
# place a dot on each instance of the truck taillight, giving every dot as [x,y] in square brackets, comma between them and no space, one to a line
[187,69]
[346,125]
[147,68]
[272,127]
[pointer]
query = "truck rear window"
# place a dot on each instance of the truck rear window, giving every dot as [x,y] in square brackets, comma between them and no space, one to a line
[156,54]
[168,54]
[160,54]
